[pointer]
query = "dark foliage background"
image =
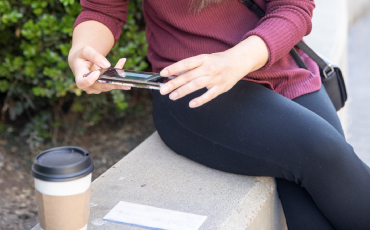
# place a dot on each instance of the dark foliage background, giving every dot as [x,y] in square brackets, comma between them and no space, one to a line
[37,88]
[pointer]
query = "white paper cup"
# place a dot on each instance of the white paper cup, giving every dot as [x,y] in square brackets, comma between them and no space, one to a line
[62,182]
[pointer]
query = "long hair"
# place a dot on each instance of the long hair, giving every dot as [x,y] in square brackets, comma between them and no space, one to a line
[198,5]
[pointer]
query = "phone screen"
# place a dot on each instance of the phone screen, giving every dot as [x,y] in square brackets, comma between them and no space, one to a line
[137,75]
[124,75]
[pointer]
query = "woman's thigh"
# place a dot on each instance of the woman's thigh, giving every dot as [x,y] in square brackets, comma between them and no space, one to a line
[249,130]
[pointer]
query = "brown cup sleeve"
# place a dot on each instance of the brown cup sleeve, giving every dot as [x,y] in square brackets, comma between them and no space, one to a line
[63,212]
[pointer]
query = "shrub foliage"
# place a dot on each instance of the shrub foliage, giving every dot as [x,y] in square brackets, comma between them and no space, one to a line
[35,79]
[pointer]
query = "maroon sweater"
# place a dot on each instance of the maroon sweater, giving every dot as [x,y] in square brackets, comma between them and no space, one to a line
[173,33]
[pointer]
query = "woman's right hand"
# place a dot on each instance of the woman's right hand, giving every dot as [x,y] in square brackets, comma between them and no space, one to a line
[85,60]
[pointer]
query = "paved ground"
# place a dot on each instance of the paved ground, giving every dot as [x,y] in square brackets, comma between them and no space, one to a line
[358,86]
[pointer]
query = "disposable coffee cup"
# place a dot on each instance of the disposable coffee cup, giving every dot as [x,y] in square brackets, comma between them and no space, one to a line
[62,181]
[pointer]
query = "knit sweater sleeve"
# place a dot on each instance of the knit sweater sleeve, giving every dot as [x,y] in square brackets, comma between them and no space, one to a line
[112,13]
[285,24]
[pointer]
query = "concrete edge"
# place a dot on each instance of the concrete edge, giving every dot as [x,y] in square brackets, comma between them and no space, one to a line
[267,213]
[270,218]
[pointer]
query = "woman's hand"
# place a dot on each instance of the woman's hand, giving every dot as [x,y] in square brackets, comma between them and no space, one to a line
[87,59]
[215,71]
[218,72]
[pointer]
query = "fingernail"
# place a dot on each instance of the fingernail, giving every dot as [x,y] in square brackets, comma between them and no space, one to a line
[193,104]
[164,90]
[174,95]
[164,72]
[105,63]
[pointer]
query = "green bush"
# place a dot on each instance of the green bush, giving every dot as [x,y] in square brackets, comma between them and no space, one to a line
[35,79]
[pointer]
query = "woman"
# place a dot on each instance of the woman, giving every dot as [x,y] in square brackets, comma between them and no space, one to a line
[240,104]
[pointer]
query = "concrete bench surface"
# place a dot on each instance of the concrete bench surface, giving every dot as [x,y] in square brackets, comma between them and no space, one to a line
[154,175]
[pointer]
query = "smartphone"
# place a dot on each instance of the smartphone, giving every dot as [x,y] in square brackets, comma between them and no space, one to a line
[131,78]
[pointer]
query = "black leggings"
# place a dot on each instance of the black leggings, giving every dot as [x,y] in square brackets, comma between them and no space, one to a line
[254,131]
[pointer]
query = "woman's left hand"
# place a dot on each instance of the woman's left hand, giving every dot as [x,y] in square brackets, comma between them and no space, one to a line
[218,72]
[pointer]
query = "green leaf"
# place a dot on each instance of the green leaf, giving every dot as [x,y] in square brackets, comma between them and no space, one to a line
[38,91]
[13,17]
[77,107]
[31,30]
[38,11]
[122,106]
[29,50]
[4,85]
[30,69]
[5,7]
[78,92]
[67,2]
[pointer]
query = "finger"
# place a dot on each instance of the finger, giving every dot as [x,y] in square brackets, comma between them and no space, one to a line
[92,55]
[94,68]
[85,64]
[125,87]
[105,87]
[181,80]
[183,65]
[82,67]
[206,97]
[92,91]
[197,83]
[83,82]
[121,62]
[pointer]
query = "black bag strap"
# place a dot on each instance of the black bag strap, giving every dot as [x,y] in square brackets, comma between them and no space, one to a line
[298,60]
[327,68]
[254,7]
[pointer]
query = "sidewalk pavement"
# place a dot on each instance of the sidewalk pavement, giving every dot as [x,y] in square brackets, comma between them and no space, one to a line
[358,86]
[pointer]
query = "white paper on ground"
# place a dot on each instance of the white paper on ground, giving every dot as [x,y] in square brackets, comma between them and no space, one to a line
[154,218]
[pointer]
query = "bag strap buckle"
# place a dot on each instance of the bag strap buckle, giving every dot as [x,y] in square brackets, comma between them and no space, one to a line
[328,71]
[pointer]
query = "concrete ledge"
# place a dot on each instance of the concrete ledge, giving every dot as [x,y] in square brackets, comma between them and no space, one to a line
[154,175]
